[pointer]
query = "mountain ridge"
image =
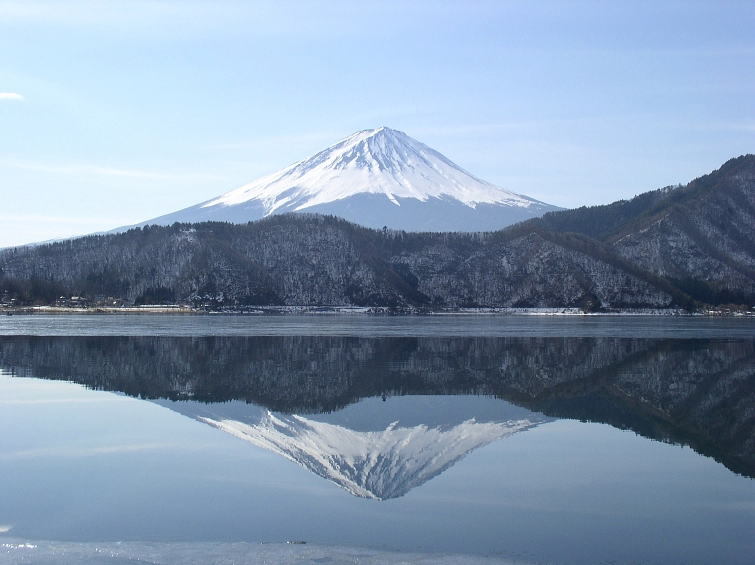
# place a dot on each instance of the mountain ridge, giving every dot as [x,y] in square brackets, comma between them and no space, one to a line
[377,177]
[681,247]
[675,232]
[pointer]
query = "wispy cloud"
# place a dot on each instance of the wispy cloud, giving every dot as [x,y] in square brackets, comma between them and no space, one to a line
[25,229]
[180,17]
[743,126]
[284,140]
[11,96]
[97,170]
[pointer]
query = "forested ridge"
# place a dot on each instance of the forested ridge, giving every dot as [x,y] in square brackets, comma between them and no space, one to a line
[674,247]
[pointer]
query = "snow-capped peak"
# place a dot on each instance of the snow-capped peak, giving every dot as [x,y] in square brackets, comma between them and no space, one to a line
[377,178]
[375,161]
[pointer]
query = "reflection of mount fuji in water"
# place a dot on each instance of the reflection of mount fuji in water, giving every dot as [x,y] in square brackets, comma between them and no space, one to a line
[697,392]
[373,449]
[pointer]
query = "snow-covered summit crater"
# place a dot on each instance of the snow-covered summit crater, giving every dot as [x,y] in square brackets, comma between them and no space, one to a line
[376,161]
[376,177]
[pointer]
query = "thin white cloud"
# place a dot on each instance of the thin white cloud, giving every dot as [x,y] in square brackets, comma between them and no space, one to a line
[65,220]
[283,140]
[4,529]
[97,170]
[11,96]
[177,18]
[594,121]
[532,125]
[743,126]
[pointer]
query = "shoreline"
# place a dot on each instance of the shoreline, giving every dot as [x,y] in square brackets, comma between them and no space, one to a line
[364,310]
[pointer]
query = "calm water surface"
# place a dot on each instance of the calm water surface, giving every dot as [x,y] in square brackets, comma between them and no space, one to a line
[543,440]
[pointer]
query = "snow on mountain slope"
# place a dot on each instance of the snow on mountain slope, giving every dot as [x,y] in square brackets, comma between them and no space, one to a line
[374,177]
[379,161]
[381,463]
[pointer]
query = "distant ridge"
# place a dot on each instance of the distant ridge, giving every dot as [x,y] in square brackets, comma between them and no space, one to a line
[375,178]
[685,247]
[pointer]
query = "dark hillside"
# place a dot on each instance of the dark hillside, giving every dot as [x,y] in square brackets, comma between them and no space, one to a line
[673,247]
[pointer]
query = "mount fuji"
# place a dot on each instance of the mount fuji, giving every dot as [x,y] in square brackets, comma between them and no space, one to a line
[378,177]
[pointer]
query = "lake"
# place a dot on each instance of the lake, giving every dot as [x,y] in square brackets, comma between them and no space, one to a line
[377,439]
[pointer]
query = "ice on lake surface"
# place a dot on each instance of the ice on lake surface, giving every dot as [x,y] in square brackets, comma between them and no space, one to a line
[376,439]
[14,552]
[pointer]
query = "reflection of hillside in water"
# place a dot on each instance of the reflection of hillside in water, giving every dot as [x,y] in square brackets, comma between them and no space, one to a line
[695,391]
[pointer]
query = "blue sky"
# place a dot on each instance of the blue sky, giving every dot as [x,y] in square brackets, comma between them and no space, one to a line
[115,112]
